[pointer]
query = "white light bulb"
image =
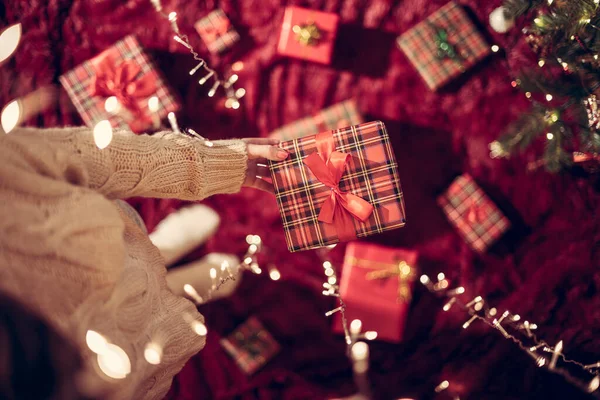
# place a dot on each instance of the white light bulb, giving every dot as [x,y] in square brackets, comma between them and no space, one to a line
[199,328]
[274,274]
[9,41]
[153,353]
[111,105]
[96,342]
[114,362]
[549,97]
[241,92]
[11,116]
[549,136]
[355,326]
[103,134]
[153,104]
[495,48]
[360,351]
[370,335]
[213,273]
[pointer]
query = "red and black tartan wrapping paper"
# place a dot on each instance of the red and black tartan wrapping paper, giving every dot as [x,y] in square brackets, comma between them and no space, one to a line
[470,210]
[308,34]
[376,285]
[338,185]
[250,345]
[337,116]
[217,32]
[124,71]
[419,45]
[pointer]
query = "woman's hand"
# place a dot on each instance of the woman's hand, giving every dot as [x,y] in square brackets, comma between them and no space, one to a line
[259,151]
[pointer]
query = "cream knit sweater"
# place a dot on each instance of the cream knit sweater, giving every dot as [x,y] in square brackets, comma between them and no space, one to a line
[70,253]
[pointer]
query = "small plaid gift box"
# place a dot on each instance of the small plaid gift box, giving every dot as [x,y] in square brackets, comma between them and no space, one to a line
[338,185]
[337,116]
[217,32]
[443,46]
[376,285]
[308,34]
[125,74]
[250,345]
[475,216]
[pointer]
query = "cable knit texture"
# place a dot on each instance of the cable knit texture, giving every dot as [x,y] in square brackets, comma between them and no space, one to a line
[81,261]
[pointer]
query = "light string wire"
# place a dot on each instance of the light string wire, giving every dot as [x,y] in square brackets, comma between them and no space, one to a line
[233,95]
[478,311]
[357,349]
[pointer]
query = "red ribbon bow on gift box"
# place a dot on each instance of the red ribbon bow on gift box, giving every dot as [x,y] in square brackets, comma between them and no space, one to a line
[215,29]
[122,82]
[328,166]
[476,212]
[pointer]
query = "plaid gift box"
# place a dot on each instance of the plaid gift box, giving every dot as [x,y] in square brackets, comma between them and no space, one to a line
[338,185]
[217,32]
[308,34]
[376,285]
[443,46]
[475,216]
[250,345]
[122,71]
[337,116]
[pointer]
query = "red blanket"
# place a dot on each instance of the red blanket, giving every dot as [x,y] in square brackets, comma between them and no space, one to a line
[546,269]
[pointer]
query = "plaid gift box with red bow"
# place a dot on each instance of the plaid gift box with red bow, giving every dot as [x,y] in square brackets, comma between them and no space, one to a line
[250,345]
[124,72]
[471,211]
[444,46]
[338,185]
[217,32]
[338,116]
[308,34]
[376,285]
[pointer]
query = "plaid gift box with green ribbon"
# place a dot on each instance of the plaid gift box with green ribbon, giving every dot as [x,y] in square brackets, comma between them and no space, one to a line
[338,116]
[471,211]
[250,345]
[444,45]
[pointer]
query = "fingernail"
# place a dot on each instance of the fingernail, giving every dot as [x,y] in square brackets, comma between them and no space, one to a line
[282,154]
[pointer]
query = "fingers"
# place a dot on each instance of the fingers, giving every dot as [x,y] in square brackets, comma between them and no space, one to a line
[262,141]
[272,153]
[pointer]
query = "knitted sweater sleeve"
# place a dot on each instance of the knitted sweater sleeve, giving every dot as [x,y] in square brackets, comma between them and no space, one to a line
[164,165]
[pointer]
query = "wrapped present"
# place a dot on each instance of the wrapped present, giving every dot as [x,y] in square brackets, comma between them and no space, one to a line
[471,211]
[308,34]
[217,32]
[444,45]
[377,285]
[338,185]
[338,116]
[124,74]
[250,345]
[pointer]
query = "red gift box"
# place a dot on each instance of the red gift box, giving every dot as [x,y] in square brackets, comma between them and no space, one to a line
[308,34]
[443,46]
[337,116]
[376,285]
[338,185]
[471,211]
[122,71]
[217,32]
[250,345]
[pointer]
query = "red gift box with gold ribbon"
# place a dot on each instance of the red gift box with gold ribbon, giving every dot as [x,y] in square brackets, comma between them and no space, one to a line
[308,34]
[124,73]
[338,185]
[470,210]
[376,285]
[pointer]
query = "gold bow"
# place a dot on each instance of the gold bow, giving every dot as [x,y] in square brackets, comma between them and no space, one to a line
[308,34]
[401,269]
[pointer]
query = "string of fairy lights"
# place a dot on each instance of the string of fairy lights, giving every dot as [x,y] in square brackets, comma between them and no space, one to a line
[209,74]
[512,328]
